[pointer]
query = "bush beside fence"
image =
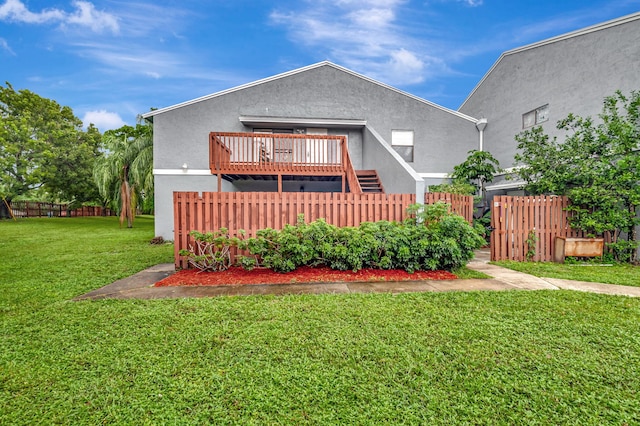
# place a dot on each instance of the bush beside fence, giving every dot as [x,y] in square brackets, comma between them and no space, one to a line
[252,211]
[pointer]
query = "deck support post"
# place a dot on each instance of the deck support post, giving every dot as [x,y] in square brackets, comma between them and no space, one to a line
[279,184]
[219,182]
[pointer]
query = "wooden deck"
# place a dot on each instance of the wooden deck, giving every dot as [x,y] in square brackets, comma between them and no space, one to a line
[257,154]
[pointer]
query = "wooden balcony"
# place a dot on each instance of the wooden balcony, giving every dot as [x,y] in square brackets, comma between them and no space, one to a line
[266,154]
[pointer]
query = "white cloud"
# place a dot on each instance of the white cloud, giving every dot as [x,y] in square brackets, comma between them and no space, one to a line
[143,20]
[103,120]
[368,3]
[131,54]
[132,59]
[5,46]
[85,15]
[406,66]
[367,36]
[139,60]
[16,11]
[373,18]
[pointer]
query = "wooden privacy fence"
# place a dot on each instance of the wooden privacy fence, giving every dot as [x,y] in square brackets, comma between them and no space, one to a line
[525,228]
[41,209]
[460,204]
[252,211]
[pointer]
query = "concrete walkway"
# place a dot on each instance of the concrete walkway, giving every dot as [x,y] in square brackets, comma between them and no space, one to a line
[140,285]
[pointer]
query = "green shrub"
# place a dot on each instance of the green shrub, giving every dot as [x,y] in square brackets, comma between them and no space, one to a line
[211,251]
[431,239]
[623,250]
[293,246]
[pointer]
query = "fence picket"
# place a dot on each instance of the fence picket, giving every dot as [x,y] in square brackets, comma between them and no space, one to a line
[512,218]
[251,211]
[460,204]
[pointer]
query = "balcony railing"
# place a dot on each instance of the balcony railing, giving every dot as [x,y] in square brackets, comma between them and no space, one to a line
[282,154]
[259,153]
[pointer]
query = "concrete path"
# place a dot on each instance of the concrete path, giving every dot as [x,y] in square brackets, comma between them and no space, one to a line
[529,282]
[140,285]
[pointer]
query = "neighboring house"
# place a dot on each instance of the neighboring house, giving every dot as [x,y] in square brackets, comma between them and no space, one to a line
[402,141]
[542,83]
[331,122]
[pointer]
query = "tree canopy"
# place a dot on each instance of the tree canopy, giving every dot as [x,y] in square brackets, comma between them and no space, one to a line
[597,166]
[479,168]
[43,147]
[470,176]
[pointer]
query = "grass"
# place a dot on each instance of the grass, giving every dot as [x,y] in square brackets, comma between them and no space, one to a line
[465,273]
[622,274]
[546,357]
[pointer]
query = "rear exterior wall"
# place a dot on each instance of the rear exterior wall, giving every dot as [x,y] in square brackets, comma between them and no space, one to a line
[441,138]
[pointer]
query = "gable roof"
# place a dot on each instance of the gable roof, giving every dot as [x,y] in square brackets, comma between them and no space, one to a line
[151,114]
[577,33]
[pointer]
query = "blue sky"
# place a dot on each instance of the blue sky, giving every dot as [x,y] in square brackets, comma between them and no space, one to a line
[111,60]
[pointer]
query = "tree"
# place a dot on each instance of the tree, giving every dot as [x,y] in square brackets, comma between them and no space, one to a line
[597,167]
[124,176]
[43,147]
[478,169]
[76,184]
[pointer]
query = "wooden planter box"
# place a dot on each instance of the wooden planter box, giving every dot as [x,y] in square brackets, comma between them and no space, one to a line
[577,247]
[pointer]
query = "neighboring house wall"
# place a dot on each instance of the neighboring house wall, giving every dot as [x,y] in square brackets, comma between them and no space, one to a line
[322,91]
[572,73]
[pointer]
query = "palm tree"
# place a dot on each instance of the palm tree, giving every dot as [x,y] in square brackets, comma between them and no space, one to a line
[126,170]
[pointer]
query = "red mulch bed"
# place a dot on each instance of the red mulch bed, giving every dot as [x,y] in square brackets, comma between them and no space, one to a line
[305,274]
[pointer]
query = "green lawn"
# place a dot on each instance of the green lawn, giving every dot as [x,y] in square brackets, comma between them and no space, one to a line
[622,274]
[546,357]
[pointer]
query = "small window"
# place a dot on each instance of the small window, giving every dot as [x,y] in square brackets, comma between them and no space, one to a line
[402,142]
[528,119]
[537,116]
[542,114]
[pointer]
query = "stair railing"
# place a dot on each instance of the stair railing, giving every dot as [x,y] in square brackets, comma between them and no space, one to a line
[350,172]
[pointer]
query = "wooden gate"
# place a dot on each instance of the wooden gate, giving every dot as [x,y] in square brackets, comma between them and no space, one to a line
[525,228]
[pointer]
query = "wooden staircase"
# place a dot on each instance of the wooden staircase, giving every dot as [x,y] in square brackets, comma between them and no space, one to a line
[369,181]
